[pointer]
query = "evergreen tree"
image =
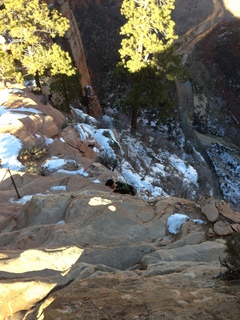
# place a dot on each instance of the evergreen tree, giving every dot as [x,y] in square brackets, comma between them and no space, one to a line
[147,49]
[68,88]
[8,67]
[147,90]
[30,29]
[148,31]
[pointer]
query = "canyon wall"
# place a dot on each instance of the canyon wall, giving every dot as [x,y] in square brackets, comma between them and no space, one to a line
[72,42]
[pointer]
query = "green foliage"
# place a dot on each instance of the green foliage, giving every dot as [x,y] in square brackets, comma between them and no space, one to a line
[148,31]
[232,261]
[32,157]
[30,27]
[148,55]
[170,65]
[148,91]
[151,88]
[8,67]
[68,88]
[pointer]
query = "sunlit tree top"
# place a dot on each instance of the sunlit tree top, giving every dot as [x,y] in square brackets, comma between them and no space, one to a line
[148,31]
[30,28]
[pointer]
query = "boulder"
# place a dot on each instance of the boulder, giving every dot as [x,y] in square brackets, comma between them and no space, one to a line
[210,211]
[225,210]
[204,252]
[222,228]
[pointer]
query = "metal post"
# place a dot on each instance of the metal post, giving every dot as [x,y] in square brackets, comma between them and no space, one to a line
[13,183]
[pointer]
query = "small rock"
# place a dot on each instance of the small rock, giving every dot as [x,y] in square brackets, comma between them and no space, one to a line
[211,233]
[182,303]
[222,228]
[210,212]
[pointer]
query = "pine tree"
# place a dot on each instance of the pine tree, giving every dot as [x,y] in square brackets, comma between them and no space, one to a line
[68,88]
[148,31]
[8,67]
[146,91]
[30,29]
[148,37]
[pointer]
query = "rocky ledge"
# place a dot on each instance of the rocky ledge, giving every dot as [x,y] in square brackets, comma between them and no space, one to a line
[90,254]
[87,253]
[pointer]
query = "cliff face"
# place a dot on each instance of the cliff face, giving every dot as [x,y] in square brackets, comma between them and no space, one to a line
[99,22]
[72,42]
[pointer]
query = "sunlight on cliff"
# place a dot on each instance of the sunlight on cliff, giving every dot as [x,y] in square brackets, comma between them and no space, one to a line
[233,6]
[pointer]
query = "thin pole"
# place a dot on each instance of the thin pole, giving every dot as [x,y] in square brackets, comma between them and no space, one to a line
[13,183]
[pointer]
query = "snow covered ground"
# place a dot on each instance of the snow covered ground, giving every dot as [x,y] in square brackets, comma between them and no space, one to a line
[152,171]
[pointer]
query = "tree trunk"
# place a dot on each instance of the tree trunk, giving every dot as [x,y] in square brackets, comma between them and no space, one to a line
[37,79]
[134,122]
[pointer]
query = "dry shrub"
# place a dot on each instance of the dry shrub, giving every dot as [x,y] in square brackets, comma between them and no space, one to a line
[232,261]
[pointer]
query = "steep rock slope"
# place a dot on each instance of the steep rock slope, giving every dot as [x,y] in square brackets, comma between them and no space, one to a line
[87,253]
